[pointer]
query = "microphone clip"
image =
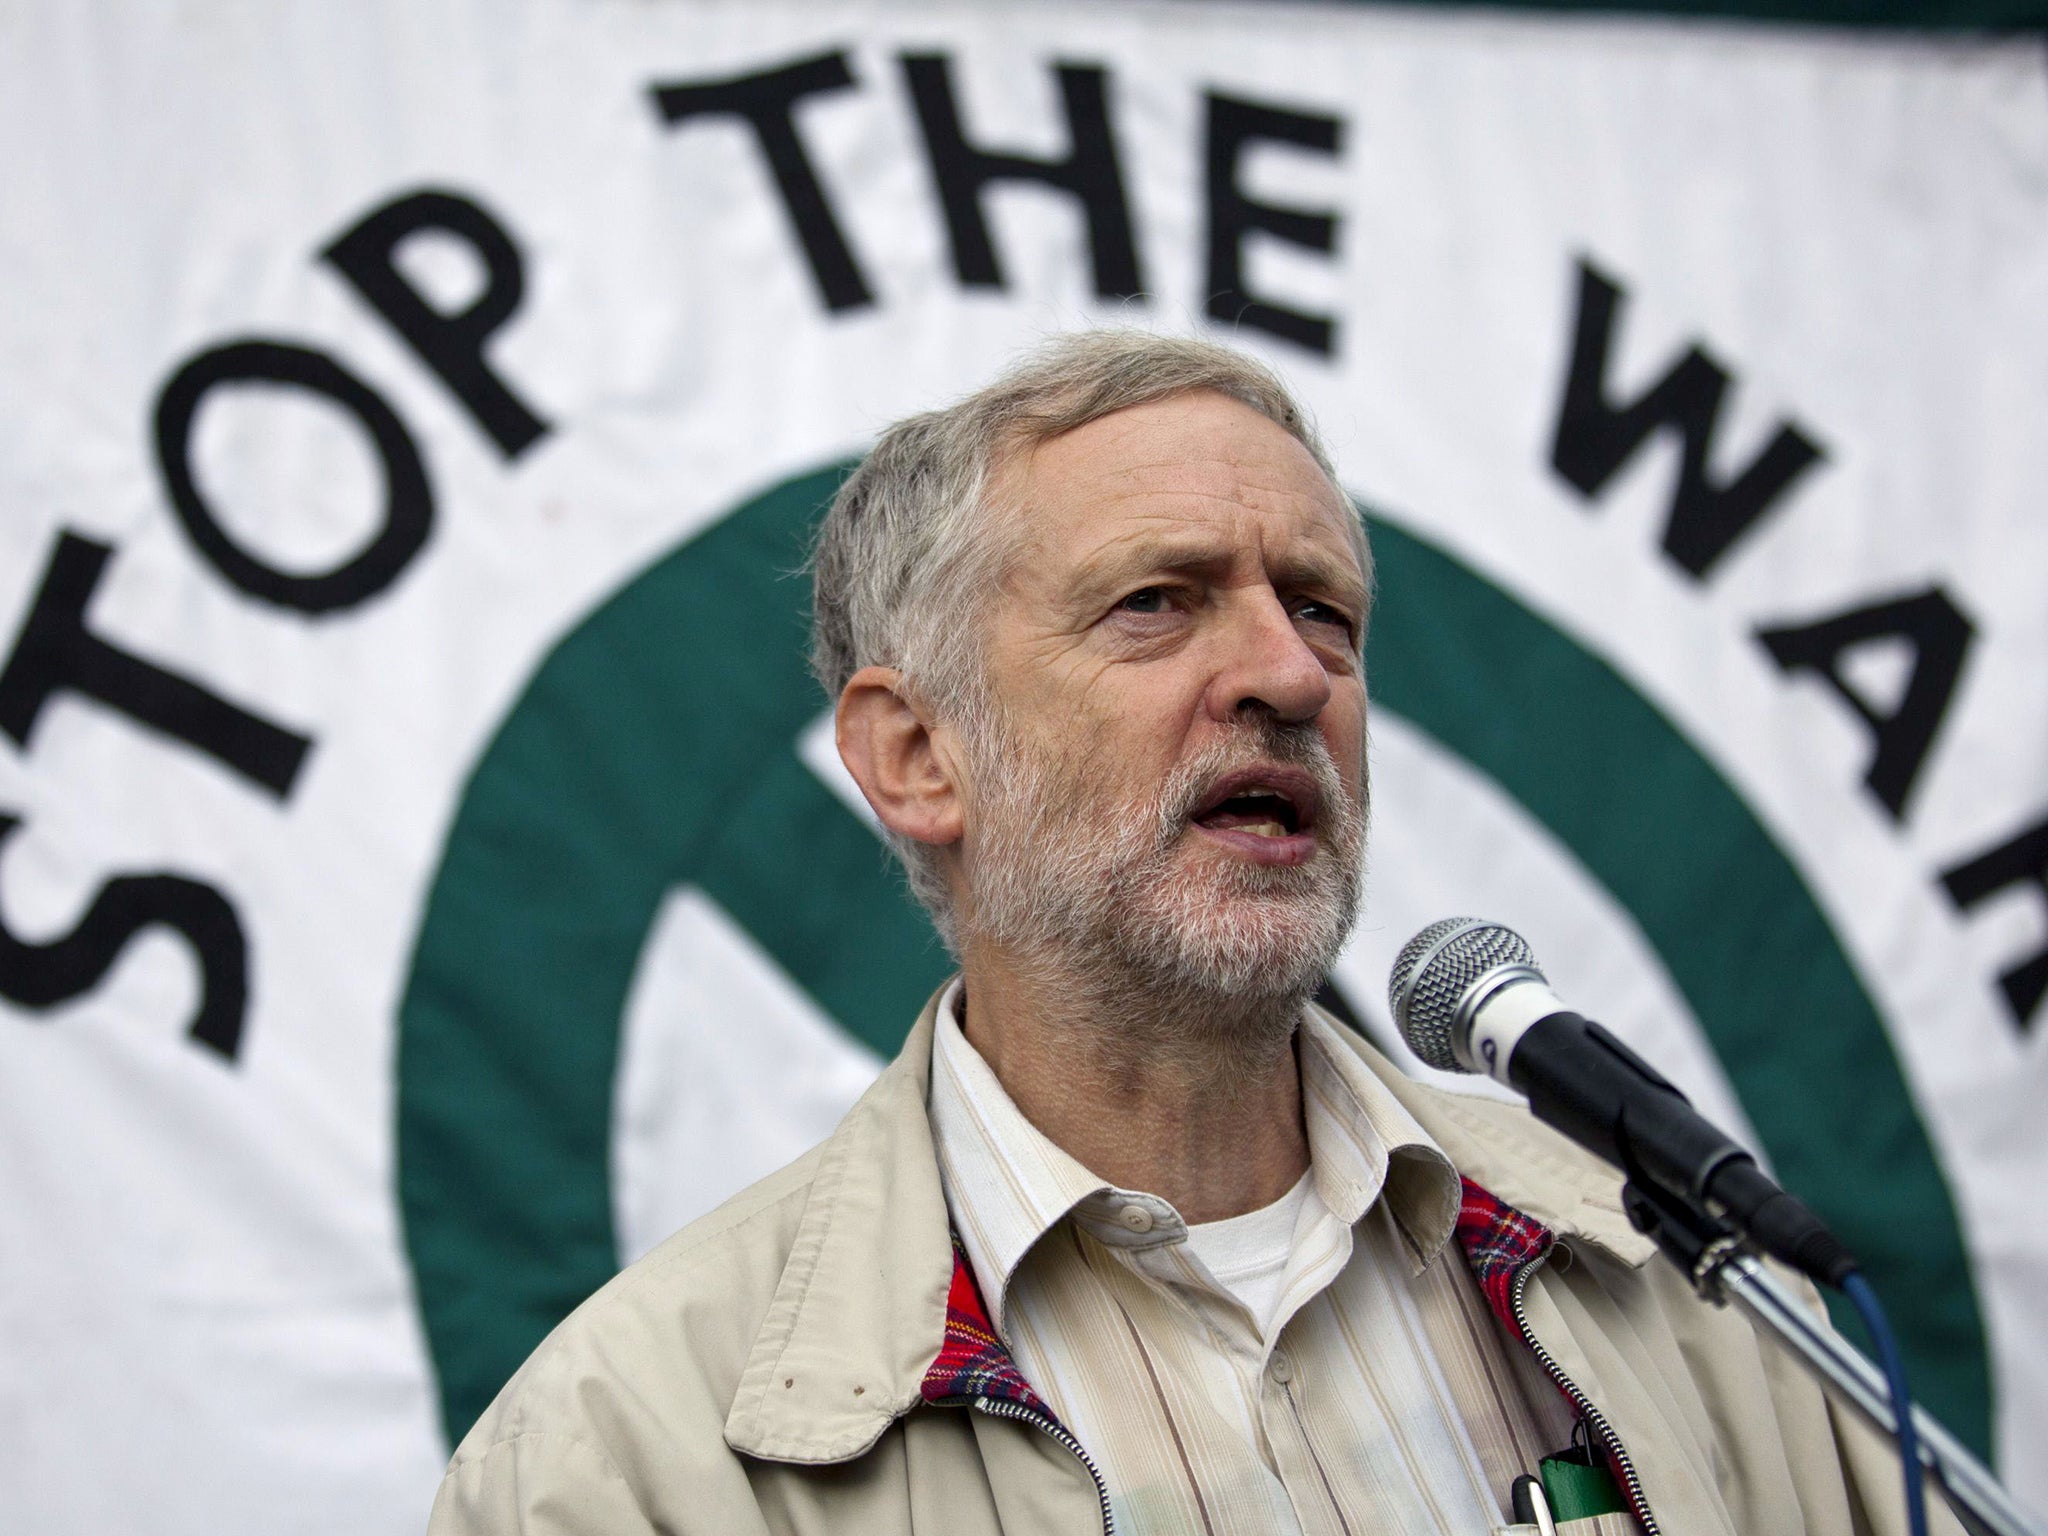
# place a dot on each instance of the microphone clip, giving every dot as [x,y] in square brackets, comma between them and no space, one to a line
[1698,1242]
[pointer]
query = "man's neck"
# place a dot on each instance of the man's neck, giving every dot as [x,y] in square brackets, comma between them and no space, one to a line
[1193,1098]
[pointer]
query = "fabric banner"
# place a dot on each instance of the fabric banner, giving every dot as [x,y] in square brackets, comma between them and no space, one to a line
[425,876]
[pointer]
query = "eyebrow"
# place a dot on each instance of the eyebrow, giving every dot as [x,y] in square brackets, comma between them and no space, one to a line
[1184,556]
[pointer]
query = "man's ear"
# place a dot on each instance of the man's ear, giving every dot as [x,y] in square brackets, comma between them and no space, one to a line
[888,746]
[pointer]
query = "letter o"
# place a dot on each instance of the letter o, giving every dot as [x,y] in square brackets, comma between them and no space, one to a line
[408,499]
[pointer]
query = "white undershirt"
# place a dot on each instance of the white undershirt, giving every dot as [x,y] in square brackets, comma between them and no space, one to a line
[1248,1254]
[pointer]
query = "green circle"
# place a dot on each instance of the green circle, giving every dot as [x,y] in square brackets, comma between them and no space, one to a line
[1736,927]
[655,747]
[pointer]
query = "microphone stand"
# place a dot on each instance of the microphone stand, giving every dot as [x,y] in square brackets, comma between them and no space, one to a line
[1723,1270]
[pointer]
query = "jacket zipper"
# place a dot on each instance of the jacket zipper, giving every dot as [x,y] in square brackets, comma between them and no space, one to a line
[997,1407]
[1632,1484]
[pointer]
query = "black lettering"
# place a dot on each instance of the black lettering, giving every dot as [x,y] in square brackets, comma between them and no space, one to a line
[1940,637]
[41,976]
[408,501]
[1089,174]
[451,344]
[2022,860]
[1596,437]
[767,101]
[56,653]
[1232,216]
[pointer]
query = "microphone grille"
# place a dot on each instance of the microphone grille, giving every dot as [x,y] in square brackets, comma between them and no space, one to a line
[1436,970]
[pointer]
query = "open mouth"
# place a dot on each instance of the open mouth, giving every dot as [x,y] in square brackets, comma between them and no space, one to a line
[1258,804]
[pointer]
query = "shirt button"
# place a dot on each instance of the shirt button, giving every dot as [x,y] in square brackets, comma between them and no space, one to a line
[1136,1218]
[1282,1368]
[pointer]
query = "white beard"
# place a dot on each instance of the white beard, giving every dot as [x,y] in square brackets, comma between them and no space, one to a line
[1059,870]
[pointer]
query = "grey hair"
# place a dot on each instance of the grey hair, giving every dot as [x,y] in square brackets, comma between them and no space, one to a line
[912,536]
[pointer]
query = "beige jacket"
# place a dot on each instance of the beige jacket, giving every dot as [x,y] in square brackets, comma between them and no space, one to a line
[762,1370]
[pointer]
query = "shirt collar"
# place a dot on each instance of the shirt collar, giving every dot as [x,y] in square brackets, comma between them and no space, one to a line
[1363,1143]
[1007,1184]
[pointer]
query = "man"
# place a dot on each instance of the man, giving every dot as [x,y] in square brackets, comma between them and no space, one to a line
[1129,1237]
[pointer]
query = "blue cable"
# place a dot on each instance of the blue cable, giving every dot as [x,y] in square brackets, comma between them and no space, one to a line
[1864,1299]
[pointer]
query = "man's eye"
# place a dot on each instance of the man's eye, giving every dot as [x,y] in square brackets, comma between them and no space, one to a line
[1145,600]
[1322,613]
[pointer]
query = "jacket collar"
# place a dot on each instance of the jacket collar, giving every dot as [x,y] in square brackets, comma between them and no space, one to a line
[860,1310]
[1505,1150]
[860,1314]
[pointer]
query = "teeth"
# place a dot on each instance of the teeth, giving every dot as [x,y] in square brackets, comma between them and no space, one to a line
[1264,829]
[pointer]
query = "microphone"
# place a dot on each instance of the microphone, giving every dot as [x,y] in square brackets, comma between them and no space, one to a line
[1468,996]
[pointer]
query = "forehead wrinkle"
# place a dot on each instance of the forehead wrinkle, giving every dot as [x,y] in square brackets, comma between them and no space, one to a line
[1141,479]
[1201,481]
[1137,451]
[1201,511]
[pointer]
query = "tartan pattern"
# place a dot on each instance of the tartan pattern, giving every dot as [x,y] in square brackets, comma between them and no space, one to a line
[1498,1240]
[973,1362]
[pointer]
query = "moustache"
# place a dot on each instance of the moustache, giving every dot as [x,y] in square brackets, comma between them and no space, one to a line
[1258,743]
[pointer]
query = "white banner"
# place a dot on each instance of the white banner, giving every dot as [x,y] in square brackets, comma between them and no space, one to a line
[425,881]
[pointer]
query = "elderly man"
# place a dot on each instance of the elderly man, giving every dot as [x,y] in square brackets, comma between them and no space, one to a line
[1130,1237]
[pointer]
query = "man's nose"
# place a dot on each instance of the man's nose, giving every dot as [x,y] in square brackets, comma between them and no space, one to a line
[1264,662]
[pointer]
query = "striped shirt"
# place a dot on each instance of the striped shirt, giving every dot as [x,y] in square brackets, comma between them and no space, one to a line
[1379,1395]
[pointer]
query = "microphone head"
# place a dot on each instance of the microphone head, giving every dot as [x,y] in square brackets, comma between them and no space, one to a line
[1435,974]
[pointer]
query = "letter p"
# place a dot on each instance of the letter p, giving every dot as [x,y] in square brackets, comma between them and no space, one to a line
[449,342]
